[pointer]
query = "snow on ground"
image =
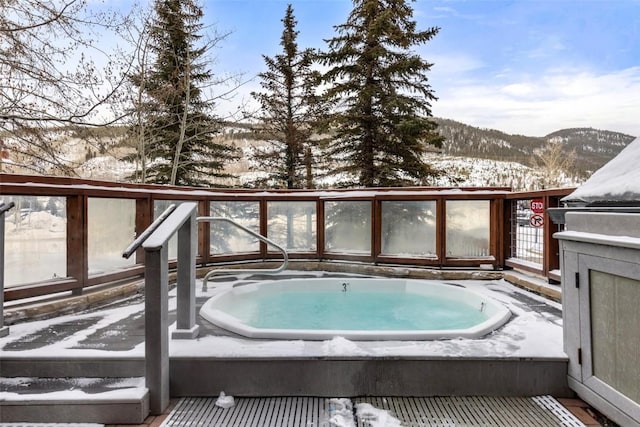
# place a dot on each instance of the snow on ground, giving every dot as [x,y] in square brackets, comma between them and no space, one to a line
[531,333]
[527,334]
[126,388]
[535,331]
[461,171]
[106,167]
[65,346]
[374,417]
[341,414]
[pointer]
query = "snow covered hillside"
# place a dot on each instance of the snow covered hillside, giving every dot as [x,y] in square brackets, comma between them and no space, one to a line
[469,157]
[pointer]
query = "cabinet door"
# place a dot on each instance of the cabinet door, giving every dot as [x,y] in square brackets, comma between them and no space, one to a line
[610,330]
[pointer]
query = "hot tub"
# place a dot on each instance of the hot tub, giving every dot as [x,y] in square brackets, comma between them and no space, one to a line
[356,309]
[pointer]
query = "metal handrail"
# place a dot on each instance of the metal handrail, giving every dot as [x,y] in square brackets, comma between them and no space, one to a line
[258,236]
[4,207]
[147,232]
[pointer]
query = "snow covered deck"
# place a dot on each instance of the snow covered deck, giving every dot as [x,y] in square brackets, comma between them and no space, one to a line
[535,331]
[523,358]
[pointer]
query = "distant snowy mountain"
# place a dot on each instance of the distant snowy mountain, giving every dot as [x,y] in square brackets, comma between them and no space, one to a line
[477,172]
[593,147]
[470,156]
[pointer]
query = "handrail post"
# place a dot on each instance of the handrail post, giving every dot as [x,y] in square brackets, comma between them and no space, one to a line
[156,308]
[186,327]
[183,221]
[4,330]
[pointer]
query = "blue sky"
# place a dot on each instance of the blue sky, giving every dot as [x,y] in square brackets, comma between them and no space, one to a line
[521,66]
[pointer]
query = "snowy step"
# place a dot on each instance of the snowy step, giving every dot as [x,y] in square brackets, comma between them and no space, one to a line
[74,400]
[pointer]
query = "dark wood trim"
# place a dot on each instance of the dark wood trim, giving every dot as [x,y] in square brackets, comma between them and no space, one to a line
[144,218]
[506,229]
[390,259]
[347,257]
[373,235]
[204,231]
[39,289]
[468,262]
[376,223]
[320,230]
[496,231]
[441,230]
[77,191]
[264,226]
[202,192]
[77,252]
[513,263]
[271,255]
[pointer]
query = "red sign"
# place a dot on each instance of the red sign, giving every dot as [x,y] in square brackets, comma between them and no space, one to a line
[537,206]
[536,221]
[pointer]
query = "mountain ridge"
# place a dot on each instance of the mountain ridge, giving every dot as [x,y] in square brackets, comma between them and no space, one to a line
[470,155]
[592,147]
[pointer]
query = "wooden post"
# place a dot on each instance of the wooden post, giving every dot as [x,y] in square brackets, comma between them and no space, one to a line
[441,231]
[77,249]
[4,330]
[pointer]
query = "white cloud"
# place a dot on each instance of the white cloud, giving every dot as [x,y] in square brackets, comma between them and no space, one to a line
[518,89]
[551,101]
[453,65]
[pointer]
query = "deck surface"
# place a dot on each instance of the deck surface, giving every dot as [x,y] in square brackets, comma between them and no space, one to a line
[411,412]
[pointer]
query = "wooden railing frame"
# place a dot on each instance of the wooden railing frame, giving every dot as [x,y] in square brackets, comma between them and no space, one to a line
[78,191]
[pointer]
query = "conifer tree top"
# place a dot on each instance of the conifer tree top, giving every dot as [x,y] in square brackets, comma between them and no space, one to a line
[382,99]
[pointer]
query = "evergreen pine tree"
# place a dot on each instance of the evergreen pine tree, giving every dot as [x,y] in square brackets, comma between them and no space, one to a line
[289,111]
[381,96]
[179,127]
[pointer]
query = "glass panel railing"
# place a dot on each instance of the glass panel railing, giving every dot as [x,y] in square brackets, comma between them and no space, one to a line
[468,228]
[409,228]
[226,239]
[348,227]
[35,239]
[292,225]
[111,226]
